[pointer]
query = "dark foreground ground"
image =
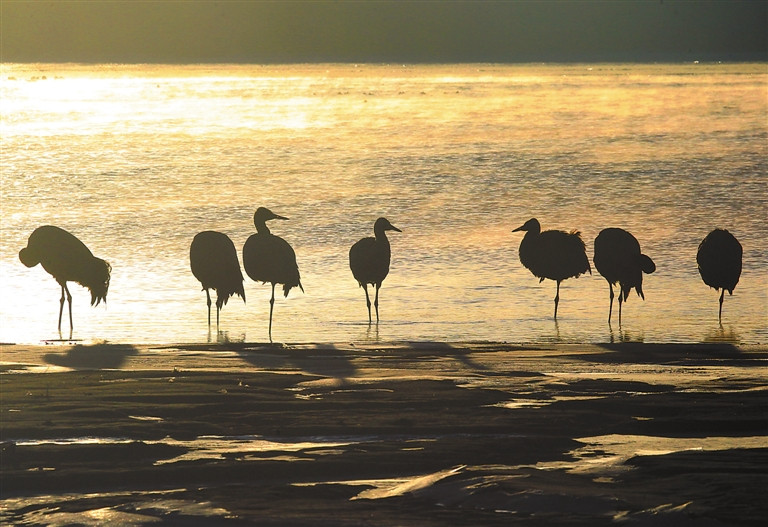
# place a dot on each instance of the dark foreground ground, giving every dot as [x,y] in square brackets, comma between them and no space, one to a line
[425,434]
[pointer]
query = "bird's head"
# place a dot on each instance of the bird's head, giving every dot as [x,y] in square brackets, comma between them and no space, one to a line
[382,224]
[28,257]
[531,225]
[263,214]
[96,279]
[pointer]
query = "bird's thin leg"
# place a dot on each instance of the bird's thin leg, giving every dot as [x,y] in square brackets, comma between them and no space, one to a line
[376,302]
[720,313]
[218,309]
[208,296]
[557,297]
[271,305]
[69,301]
[610,306]
[367,301]
[61,307]
[621,295]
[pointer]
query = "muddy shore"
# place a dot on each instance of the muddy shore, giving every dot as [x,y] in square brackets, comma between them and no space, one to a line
[412,434]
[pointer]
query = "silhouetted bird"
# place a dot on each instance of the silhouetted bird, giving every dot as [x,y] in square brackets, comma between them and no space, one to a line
[369,261]
[269,258]
[556,255]
[213,259]
[67,259]
[719,261]
[618,259]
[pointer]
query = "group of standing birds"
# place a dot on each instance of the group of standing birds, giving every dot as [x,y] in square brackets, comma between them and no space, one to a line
[270,259]
[266,258]
[558,255]
[552,254]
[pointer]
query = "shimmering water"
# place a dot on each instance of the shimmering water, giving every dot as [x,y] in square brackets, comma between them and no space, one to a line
[135,160]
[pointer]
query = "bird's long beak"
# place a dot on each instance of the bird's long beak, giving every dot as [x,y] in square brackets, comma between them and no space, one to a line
[520,228]
[393,228]
[279,217]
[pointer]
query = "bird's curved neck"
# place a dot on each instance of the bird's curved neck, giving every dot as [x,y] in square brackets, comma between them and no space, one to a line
[529,237]
[381,236]
[261,227]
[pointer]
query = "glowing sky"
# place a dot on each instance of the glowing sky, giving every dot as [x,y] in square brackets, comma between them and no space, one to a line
[382,31]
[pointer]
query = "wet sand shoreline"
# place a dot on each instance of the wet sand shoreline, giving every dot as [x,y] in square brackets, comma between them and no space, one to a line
[384,434]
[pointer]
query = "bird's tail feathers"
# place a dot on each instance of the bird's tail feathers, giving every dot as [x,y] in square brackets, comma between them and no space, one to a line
[639,289]
[223,295]
[646,264]
[578,245]
[624,292]
[287,287]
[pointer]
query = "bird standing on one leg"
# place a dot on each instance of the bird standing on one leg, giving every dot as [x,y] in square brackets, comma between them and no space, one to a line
[719,262]
[369,261]
[67,259]
[213,259]
[269,258]
[619,260]
[556,255]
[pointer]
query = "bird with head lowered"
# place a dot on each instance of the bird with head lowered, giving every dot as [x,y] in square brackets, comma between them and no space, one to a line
[619,260]
[67,259]
[719,262]
[213,259]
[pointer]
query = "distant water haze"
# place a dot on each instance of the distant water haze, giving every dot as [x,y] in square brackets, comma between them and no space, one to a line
[136,160]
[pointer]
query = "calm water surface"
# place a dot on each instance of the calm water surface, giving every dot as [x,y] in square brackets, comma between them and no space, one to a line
[135,160]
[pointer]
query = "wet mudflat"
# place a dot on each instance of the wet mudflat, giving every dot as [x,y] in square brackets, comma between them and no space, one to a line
[384,434]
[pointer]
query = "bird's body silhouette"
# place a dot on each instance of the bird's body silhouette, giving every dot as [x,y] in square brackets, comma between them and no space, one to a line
[369,261]
[214,262]
[719,261]
[556,255]
[619,260]
[67,259]
[270,259]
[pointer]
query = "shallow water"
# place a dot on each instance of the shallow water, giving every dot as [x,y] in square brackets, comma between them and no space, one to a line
[135,160]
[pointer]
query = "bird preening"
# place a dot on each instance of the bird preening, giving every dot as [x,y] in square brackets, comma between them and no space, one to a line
[67,259]
[214,262]
[270,259]
[553,254]
[619,260]
[719,262]
[369,260]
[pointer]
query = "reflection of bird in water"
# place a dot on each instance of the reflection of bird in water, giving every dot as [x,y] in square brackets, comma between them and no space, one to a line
[618,259]
[556,255]
[719,261]
[67,259]
[214,262]
[269,258]
[369,260]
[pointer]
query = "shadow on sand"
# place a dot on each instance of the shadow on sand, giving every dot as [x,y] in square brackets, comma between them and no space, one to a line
[326,361]
[95,357]
[705,353]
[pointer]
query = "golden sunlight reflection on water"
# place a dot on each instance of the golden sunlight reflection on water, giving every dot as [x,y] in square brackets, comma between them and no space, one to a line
[136,160]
